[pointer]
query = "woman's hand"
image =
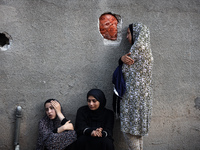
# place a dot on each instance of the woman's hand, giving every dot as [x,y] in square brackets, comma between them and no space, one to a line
[68,126]
[99,129]
[126,59]
[57,107]
[97,132]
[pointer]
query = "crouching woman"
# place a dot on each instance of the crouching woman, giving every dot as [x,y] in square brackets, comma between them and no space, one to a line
[94,123]
[55,131]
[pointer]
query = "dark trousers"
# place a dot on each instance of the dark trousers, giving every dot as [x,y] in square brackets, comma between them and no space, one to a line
[116,104]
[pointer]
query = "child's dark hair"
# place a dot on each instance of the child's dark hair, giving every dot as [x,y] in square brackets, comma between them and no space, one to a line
[49,101]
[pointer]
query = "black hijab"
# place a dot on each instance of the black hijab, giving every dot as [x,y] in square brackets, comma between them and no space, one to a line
[99,96]
[49,101]
[131,30]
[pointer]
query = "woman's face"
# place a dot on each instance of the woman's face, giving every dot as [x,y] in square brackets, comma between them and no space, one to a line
[93,104]
[129,37]
[50,111]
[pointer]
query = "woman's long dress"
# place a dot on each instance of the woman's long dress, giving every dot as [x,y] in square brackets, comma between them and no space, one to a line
[136,104]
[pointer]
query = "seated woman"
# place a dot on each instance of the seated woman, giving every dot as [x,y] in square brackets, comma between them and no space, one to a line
[94,123]
[55,131]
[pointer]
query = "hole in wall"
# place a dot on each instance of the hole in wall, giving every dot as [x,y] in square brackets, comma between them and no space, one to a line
[110,25]
[5,41]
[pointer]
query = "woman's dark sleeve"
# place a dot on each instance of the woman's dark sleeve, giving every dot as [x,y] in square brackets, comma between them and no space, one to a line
[81,125]
[109,124]
[62,123]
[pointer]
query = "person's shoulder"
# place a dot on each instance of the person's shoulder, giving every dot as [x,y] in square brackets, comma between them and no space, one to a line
[83,108]
[83,111]
[44,120]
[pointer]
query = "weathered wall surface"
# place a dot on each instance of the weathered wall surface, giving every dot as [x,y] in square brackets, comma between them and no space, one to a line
[58,52]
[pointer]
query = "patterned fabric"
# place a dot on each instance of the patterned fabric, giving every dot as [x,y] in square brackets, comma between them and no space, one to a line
[53,141]
[136,104]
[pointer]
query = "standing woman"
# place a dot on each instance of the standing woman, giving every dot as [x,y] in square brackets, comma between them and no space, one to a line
[55,131]
[136,104]
[94,123]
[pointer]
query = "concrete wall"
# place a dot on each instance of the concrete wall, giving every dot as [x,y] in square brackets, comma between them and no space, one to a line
[58,52]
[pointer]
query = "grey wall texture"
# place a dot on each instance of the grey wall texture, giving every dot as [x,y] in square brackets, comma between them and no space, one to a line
[58,52]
